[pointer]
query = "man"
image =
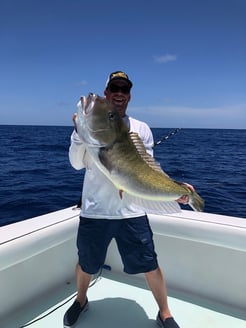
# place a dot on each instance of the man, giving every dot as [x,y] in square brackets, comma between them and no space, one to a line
[104,216]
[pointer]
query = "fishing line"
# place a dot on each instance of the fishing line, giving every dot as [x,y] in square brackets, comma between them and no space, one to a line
[164,138]
[99,275]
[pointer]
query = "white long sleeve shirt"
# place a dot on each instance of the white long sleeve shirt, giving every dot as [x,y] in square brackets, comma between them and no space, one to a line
[100,198]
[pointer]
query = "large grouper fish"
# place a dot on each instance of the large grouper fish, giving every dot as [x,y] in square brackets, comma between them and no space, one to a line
[122,158]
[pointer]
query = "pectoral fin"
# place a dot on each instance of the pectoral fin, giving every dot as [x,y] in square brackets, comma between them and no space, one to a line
[121,193]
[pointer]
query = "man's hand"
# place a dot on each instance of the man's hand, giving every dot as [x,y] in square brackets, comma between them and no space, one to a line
[185,199]
[75,121]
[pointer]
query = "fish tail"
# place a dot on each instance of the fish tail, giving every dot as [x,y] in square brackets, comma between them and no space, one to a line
[196,202]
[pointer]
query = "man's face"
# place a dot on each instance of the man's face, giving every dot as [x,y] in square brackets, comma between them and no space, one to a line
[118,92]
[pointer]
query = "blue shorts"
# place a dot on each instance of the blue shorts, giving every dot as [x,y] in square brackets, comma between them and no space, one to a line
[134,239]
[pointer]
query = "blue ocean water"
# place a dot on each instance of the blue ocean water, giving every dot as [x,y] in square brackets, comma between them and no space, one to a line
[37,178]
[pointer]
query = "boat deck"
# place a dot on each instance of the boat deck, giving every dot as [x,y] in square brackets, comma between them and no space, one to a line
[119,300]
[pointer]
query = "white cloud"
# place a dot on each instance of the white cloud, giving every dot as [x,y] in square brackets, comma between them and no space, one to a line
[165,58]
[83,82]
[230,117]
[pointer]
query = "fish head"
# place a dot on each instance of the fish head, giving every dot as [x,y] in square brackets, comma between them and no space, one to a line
[99,122]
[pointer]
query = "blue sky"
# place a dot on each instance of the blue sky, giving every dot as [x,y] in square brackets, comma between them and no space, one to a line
[186,58]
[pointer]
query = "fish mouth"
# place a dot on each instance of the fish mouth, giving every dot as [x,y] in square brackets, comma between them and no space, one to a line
[88,103]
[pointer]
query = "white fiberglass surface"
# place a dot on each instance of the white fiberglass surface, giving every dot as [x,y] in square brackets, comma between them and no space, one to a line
[118,303]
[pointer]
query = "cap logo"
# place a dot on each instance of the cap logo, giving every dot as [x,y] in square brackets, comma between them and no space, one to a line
[119,74]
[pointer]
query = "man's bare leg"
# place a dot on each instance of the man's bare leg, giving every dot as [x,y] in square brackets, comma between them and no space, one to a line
[83,280]
[157,285]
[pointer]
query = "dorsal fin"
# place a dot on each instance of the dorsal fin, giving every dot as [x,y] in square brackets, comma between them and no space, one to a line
[137,141]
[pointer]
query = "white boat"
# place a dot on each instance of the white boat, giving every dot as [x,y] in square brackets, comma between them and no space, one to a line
[203,257]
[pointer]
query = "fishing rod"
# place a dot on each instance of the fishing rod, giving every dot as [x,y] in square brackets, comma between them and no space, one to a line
[164,138]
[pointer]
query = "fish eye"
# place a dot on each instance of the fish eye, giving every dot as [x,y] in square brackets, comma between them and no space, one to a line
[111,116]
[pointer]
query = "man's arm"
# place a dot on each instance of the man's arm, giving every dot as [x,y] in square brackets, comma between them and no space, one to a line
[76,149]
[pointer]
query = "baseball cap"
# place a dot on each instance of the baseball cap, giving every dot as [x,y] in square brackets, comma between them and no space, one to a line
[118,75]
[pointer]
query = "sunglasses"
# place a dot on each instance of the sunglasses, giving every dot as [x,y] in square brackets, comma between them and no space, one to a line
[116,88]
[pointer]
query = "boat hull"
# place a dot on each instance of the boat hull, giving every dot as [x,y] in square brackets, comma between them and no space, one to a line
[203,256]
